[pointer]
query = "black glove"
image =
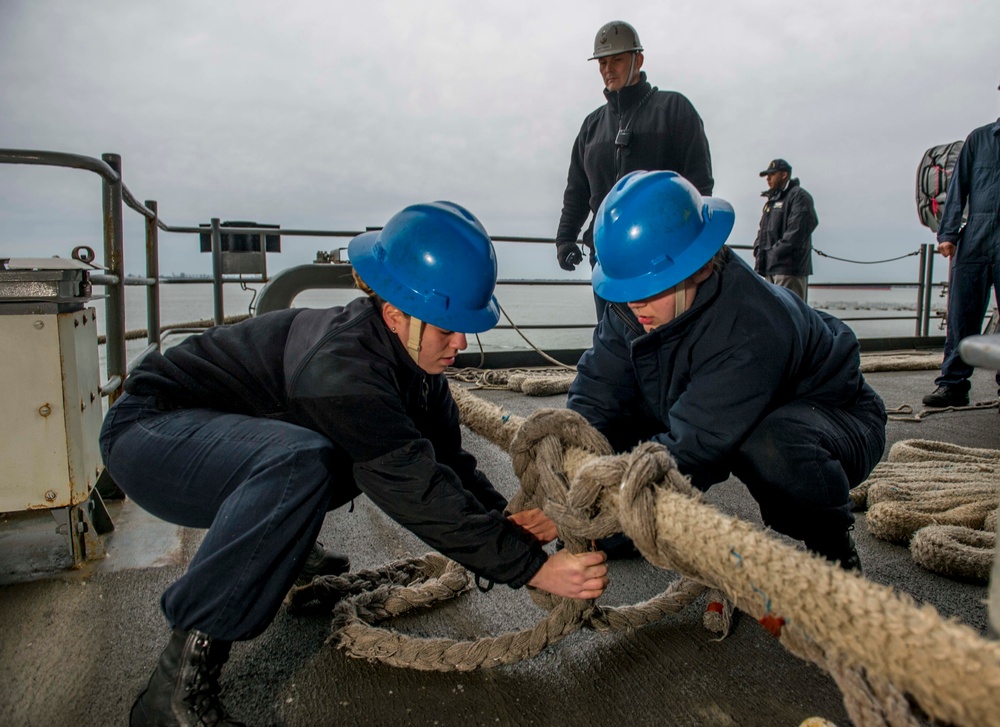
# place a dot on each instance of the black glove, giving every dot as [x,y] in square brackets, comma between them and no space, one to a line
[568,254]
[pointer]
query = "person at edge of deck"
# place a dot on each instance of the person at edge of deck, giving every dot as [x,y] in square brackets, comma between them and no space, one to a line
[973,245]
[783,248]
[254,431]
[732,374]
[639,127]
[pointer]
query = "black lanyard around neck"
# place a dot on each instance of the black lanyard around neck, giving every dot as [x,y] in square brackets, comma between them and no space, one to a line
[624,134]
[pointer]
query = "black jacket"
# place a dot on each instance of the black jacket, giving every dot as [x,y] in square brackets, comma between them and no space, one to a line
[700,384]
[665,133]
[784,240]
[975,184]
[340,372]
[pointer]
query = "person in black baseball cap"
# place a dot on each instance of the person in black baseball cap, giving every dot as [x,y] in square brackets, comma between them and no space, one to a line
[783,248]
[777,165]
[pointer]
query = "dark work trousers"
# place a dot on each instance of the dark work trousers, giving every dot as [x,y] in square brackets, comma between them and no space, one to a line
[968,298]
[802,460]
[261,487]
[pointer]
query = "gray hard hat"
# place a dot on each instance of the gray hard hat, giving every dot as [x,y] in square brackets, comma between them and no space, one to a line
[614,38]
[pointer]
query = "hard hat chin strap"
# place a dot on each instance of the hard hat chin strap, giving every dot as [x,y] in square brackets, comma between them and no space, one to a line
[680,299]
[413,344]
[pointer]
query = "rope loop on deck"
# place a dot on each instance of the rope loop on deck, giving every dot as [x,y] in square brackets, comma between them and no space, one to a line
[583,509]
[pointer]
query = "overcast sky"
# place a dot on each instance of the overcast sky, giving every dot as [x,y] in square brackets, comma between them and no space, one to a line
[335,115]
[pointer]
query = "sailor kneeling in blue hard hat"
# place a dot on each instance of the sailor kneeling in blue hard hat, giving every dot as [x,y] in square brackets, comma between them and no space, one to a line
[732,374]
[254,431]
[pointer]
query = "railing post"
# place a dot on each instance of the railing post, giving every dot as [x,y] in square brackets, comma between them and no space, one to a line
[263,256]
[921,313]
[153,271]
[114,262]
[929,288]
[220,314]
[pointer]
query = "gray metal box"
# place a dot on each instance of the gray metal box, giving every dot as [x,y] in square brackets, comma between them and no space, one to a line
[52,409]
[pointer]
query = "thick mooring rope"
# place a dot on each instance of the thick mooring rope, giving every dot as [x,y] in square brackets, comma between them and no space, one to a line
[940,498]
[880,646]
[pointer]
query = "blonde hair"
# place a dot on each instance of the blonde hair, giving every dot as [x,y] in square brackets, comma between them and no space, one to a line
[379,301]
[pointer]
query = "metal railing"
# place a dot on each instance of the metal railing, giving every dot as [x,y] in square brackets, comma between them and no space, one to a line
[115,196]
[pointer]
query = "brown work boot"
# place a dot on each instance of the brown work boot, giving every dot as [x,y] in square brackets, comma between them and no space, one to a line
[183,690]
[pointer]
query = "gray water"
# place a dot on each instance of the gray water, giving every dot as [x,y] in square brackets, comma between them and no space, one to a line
[556,305]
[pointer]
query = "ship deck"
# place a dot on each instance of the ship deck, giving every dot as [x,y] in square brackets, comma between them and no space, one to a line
[78,645]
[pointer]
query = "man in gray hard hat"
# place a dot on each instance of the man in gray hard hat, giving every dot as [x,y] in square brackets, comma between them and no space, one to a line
[639,128]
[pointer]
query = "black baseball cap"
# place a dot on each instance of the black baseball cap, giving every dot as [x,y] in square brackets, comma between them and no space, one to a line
[777,165]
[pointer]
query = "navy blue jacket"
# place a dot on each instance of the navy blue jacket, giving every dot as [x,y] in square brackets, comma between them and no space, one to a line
[784,239]
[341,372]
[701,384]
[665,133]
[976,182]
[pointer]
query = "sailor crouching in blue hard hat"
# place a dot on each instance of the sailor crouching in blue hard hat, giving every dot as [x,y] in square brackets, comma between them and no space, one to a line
[254,431]
[732,374]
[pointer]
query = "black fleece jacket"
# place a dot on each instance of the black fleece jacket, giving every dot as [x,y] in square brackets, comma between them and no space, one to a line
[340,372]
[784,239]
[665,132]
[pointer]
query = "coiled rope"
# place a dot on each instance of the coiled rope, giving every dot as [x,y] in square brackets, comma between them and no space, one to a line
[880,646]
[547,381]
[940,498]
[532,382]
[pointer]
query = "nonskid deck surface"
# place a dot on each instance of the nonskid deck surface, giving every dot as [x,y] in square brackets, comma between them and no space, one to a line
[77,647]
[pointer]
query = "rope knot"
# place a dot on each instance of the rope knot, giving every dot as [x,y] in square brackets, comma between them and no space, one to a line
[569,427]
[548,443]
[648,468]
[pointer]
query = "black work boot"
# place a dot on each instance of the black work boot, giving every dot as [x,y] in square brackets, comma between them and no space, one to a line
[322,562]
[948,395]
[838,548]
[183,690]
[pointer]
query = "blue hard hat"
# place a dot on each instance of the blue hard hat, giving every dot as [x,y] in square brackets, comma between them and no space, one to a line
[433,261]
[652,231]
